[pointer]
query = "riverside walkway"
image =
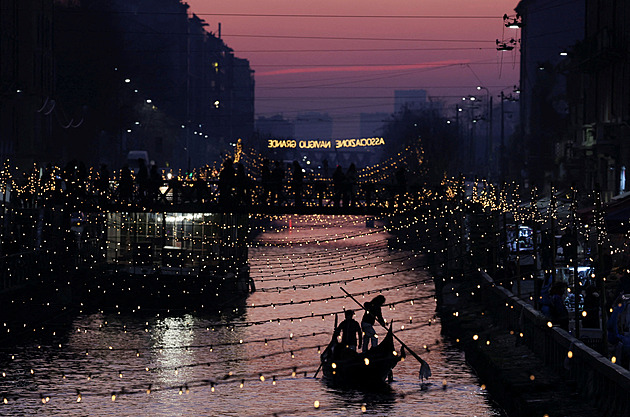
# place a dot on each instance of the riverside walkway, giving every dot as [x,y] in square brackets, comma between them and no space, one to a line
[531,369]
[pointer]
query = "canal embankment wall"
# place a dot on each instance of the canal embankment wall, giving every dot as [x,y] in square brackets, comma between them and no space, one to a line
[529,368]
[35,289]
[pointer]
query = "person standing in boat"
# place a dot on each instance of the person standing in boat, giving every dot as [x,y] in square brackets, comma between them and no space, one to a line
[350,332]
[372,313]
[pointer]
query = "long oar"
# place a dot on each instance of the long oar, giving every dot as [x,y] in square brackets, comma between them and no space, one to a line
[425,370]
[320,364]
[316,372]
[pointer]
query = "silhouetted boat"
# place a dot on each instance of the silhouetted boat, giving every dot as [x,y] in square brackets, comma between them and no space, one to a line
[345,367]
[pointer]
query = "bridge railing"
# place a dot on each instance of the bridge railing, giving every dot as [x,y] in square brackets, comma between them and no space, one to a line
[248,193]
[604,383]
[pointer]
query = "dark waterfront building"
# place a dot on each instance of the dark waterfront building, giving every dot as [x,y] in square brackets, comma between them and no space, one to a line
[93,80]
[548,30]
[26,79]
[414,100]
[599,82]
[242,101]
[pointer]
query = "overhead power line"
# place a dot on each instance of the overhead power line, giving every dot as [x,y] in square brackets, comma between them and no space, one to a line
[348,38]
[470,48]
[349,16]
[284,15]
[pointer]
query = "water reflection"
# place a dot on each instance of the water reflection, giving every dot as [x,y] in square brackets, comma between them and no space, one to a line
[260,360]
[171,338]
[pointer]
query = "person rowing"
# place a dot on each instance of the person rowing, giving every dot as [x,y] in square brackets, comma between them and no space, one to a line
[371,315]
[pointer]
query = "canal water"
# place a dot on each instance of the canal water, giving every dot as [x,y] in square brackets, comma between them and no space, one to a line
[257,359]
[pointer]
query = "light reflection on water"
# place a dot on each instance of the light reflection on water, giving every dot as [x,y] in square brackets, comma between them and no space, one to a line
[186,354]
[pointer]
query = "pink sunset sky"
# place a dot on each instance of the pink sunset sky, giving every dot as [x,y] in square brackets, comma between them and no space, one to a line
[346,57]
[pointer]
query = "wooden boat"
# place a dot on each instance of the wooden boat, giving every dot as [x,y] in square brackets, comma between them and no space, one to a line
[345,367]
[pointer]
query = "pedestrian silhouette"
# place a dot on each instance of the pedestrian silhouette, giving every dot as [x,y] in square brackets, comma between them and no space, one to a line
[125,185]
[155,182]
[339,179]
[297,183]
[241,185]
[226,182]
[277,176]
[351,186]
[265,179]
[142,181]
[401,184]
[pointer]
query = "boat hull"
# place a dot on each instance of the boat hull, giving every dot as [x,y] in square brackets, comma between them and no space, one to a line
[345,367]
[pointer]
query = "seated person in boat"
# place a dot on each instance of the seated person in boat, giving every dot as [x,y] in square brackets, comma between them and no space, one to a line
[350,332]
[372,313]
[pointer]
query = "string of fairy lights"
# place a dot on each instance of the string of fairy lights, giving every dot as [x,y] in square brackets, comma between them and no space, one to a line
[214,383]
[434,209]
[329,283]
[210,347]
[307,286]
[486,195]
[82,395]
[236,379]
[175,369]
[40,183]
[318,257]
[289,274]
[429,214]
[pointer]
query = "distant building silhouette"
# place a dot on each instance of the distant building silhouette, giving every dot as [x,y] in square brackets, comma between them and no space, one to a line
[313,125]
[276,127]
[127,75]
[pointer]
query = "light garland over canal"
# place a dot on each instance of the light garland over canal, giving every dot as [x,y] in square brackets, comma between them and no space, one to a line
[259,358]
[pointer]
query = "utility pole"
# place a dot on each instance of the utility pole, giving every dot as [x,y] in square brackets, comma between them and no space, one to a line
[502,153]
[489,139]
[488,119]
[460,152]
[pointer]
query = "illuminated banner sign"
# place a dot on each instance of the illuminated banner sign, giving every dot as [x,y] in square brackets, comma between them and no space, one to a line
[324,144]
[354,143]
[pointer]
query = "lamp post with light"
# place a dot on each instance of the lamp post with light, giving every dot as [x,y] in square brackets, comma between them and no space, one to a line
[488,128]
[472,123]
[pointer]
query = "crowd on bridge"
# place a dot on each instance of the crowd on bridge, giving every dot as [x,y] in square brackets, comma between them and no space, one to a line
[276,184]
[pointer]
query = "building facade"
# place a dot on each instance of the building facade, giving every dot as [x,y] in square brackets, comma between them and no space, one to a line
[26,79]
[600,81]
[548,30]
[93,80]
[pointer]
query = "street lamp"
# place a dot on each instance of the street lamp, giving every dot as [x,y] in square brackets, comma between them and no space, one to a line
[489,126]
[502,161]
[471,124]
[512,22]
